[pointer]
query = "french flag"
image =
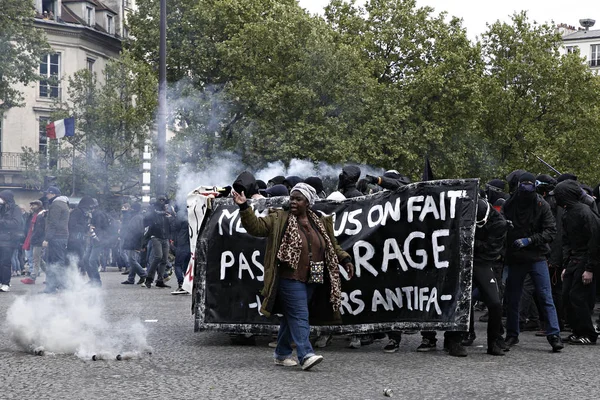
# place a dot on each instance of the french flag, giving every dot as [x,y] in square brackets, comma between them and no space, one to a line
[61,128]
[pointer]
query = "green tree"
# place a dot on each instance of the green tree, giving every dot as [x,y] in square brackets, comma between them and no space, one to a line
[537,101]
[21,45]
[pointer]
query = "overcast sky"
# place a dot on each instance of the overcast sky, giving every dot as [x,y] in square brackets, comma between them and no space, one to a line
[475,14]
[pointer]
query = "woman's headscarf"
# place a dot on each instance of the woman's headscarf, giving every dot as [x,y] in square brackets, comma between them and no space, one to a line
[307,191]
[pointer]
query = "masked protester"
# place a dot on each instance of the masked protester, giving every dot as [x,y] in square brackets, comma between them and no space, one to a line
[494,191]
[317,184]
[581,235]
[301,271]
[160,225]
[490,236]
[527,250]
[347,181]
[132,234]
[11,227]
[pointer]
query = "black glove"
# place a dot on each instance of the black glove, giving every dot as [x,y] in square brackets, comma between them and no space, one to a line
[372,179]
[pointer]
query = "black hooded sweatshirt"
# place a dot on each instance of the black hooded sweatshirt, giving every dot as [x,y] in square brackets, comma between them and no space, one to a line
[246,182]
[581,228]
[11,220]
[490,238]
[531,218]
[347,183]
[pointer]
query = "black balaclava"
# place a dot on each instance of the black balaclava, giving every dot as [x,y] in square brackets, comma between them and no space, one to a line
[519,208]
[513,180]
[276,180]
[567,193]
[545,184]
[494,190]
[349,177]
[526,189]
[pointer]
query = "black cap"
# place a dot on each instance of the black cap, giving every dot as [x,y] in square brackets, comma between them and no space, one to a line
[54,190]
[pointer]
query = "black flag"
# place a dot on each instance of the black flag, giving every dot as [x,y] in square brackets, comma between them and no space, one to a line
[427,172]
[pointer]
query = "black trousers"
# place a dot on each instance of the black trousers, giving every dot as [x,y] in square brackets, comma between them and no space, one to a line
[486,281]
[578,301]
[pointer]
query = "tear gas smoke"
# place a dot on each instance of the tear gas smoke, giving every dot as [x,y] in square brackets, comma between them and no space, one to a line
[228,166]
[72,322]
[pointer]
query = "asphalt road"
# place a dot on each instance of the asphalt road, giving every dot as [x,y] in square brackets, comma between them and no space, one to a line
[190,365]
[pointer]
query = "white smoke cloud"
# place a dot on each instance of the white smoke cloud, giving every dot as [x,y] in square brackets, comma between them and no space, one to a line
[227,166]
[72,322]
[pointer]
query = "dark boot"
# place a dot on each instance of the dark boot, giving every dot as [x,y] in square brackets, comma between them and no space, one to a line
[494,348]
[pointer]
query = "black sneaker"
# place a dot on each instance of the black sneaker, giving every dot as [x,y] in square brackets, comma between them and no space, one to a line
[468,341]
[427,345]
[161,284]
[127,283]
[179,290]
[126,272]
[142,280]
[581,340]
[556,343]
[391,347]
[147,284]
[455,349]
[511,341]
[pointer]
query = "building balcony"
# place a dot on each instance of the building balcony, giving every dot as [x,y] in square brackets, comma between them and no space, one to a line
[11,162]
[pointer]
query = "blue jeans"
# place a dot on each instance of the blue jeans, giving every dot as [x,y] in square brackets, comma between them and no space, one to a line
[182,259]
[133,262]
[294,297]
[514,287]
[15,262]
[29,258]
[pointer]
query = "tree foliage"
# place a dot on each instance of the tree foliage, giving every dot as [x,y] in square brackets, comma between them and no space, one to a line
[383,84]
[21,45]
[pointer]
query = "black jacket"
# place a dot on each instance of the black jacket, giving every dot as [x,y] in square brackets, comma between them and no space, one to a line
[490,239]
[182,235]
[393,181]
[102,226]
[11,221]
[57,219]
[132,231]
[555,258]
[39,229]
[581,228]
[78,225]
[159,224]
[541,231]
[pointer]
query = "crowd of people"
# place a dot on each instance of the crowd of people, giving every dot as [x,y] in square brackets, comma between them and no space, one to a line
[535,260]
[56,234]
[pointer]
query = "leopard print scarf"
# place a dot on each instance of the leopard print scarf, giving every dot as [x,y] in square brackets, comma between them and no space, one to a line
[291,247]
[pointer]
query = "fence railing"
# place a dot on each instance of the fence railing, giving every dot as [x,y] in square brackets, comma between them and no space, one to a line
[11,162]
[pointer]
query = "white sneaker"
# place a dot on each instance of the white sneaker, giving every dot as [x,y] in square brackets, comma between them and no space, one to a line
[323,341]
[310,362]
[354,342]
[4,288]
[288,362]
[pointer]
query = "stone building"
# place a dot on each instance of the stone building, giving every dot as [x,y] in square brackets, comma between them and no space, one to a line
[82,34]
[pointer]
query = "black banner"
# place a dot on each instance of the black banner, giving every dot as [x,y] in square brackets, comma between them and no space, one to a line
[412,249]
